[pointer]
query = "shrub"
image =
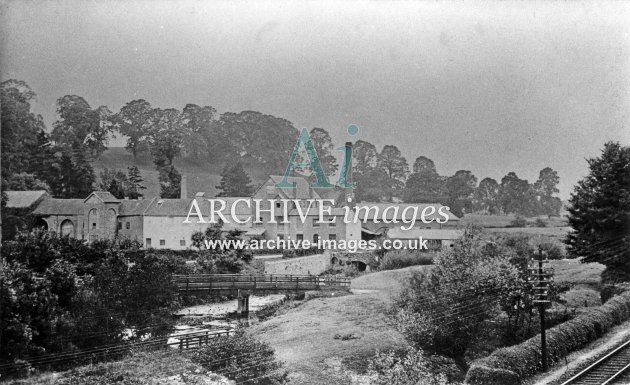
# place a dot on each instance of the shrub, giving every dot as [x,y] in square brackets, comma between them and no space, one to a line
[241,358]
[553,250]
[402,369]
[518,222]
[540,223]
[399,259]
[523,360]
[289,253]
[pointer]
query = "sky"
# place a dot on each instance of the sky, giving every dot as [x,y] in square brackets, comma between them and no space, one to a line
[490,87]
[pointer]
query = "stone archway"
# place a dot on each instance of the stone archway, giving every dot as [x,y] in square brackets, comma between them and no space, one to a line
[67,228]
[41,224]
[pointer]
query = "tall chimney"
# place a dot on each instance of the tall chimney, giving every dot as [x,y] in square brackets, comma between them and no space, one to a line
[183,189]
[349,176]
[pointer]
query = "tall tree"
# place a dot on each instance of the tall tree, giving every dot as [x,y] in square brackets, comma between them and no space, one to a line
[459,190]
[364,158]
[235,182]
[545,188]
[81,127]
[374,186]
[324,146]
[114,181]
[21,128]
[599,213]
[170,182]
[76,176]
[516,195]
[423,164]
[166,136]
[395,165]
[257,138]
[198,123]
[486,196]
[134,120]
[135,182]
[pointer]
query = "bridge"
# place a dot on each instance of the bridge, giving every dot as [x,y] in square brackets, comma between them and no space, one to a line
[243,285]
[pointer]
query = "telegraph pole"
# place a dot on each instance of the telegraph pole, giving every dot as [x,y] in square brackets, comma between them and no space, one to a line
[541,277]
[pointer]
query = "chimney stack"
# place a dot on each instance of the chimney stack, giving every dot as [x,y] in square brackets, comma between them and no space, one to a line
[183,189]
[349,176]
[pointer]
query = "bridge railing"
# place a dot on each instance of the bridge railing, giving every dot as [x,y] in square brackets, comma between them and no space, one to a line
[197,282]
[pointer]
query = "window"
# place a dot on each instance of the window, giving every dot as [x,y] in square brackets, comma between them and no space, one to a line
[334,222]
[119,225]
[300,237]
[94,226]
[332,237]
[315,222]
[278,204]
[315,238]
[182,242]
[162,242]
[127,225]
[148,242]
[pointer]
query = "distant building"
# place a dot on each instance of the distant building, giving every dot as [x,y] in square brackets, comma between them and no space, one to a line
[159,223]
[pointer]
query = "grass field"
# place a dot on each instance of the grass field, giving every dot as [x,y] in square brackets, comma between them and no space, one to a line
[316,339]
[489,221]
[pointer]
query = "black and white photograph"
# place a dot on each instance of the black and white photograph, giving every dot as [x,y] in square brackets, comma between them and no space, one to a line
[355,192]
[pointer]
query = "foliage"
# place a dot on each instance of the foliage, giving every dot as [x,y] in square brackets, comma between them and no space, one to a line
[466,276]
[519,362]
[241,358]
[409,368]
[219,260]
[25,182]
[170,182]
[324,146]
[599,213]
[398,259]
[235,182]
[53,286]
[395,166]
[486,197]
[519,221]
[80,127]
[540,223]
[134,121]
[134,183]
[364,158]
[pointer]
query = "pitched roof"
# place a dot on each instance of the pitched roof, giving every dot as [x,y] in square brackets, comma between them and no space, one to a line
[181,207]
[55,206]
[134,206]
[24,199]
[105,196]
[401,210]
[398,233]
[302,189]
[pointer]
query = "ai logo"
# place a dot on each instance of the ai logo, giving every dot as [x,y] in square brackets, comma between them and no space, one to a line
[315,165]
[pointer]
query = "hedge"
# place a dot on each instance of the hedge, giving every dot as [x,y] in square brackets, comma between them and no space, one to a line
[511,365]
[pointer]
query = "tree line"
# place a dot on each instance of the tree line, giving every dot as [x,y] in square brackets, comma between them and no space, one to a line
[60,161]
[385,176]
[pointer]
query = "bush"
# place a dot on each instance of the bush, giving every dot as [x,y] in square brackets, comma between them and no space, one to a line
[402,369]
[289,253]
[523,360]
[553,250]
[399,259]
[241,358]
[518,222]
[540,223]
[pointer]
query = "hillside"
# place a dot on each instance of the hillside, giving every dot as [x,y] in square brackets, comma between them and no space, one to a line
[200,176]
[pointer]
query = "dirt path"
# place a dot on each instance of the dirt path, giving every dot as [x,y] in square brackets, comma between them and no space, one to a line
[316,338]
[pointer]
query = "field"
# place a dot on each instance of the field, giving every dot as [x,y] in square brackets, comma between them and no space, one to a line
[316,339]
[490,221]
